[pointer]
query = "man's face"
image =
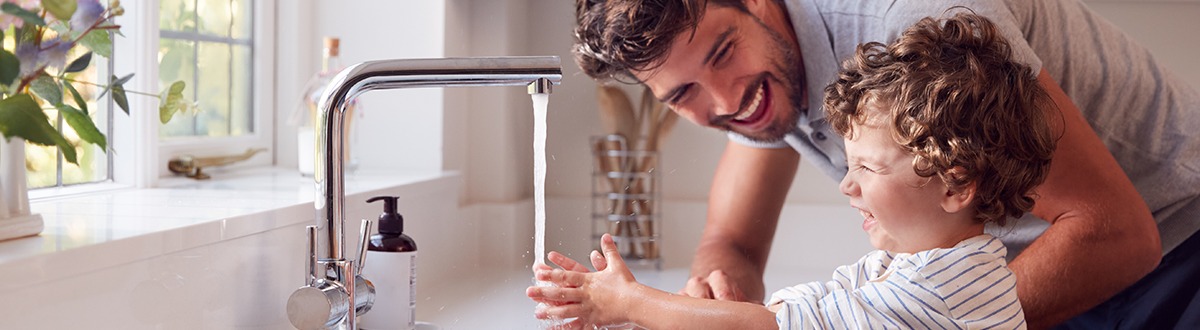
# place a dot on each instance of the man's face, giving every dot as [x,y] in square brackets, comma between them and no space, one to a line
[736,73]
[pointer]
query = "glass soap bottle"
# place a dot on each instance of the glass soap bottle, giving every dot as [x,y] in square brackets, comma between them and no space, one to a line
[392,268]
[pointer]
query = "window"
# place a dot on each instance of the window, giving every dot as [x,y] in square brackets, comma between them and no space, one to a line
[211,45]
[208,44]
[224,52]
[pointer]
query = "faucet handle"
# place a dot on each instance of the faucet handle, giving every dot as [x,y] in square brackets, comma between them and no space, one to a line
[319,306]
[364,239]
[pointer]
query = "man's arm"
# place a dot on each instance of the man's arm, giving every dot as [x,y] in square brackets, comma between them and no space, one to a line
[747,195]
[1102,237]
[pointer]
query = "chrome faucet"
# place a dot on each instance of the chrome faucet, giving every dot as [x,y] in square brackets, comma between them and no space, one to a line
[334,291]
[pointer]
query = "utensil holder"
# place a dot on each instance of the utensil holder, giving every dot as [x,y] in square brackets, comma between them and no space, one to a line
[626,196]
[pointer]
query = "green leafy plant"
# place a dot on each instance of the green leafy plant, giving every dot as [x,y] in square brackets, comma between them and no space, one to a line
[35,75]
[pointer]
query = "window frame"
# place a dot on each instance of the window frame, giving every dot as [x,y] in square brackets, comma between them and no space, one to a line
[262,100]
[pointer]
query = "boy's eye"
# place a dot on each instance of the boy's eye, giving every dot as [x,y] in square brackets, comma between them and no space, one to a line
[865,168]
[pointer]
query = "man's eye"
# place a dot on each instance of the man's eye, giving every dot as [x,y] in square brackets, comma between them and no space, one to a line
[722,54]
[680,95]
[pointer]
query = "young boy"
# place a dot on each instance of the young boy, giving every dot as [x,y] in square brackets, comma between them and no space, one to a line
[944,133]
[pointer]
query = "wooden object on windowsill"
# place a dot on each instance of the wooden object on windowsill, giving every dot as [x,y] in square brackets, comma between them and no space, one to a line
[193,166]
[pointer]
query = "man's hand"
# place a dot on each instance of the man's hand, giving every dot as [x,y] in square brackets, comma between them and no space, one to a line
[715,286]
[747,195]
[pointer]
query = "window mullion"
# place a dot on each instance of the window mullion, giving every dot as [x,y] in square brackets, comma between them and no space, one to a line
[229,96]
[195,64]
[111,127]
[58,174]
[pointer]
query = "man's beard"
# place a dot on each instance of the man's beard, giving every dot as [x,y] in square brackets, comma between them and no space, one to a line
[789,75]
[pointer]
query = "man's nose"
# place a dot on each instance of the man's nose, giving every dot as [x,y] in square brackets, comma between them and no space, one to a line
[727,96]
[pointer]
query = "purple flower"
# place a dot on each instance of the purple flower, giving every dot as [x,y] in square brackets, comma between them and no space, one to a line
[27,53]
[86,14]
[32,59]
[56,55]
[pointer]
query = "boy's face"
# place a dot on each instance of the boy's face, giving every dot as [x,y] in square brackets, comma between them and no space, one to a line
[902,211]
[736,73]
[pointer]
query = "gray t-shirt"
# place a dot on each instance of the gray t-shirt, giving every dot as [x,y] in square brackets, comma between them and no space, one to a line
[1144,114]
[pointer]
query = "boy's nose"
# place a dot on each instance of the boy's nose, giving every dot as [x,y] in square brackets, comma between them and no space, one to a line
[848,187]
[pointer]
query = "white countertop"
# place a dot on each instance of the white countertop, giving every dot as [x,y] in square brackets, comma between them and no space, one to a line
[87,232]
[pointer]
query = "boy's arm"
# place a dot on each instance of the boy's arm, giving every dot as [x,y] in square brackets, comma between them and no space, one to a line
[613,297]
[1094,210]
[655,309]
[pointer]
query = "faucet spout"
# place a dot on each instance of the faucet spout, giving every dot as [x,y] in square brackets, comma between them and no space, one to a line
[538,73]
[393,74]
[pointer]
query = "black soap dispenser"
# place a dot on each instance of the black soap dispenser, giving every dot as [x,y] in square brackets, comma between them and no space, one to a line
[392,268]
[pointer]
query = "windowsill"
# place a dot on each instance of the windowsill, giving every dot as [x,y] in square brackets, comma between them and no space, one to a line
[47,194]
[87,232]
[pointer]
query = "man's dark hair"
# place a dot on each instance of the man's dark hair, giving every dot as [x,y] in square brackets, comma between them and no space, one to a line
[615,37]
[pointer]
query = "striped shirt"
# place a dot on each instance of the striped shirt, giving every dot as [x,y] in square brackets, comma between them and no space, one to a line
[967,286]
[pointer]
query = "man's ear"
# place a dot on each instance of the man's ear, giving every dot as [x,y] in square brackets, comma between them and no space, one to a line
[958,199]
[756,6]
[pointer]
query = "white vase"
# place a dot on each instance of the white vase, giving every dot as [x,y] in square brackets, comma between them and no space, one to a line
[15,218]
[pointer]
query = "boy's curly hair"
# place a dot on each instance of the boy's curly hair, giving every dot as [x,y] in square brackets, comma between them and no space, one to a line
[954,98]
[615,37]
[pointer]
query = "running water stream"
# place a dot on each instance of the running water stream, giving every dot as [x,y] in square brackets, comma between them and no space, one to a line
[540,102]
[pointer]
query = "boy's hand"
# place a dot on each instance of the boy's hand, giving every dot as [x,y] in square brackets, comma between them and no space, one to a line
[568,264]
[591,297]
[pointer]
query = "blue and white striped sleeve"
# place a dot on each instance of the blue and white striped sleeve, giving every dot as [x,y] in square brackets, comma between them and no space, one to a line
[957,288]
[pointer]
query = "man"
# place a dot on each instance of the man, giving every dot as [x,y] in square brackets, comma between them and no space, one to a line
[1122,191]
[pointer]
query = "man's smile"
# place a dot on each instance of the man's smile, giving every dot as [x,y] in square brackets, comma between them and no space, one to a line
[754,112]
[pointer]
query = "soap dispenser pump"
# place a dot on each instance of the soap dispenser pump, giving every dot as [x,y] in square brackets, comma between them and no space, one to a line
[393,271]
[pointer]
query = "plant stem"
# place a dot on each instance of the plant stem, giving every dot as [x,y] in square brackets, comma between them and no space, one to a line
[99,85]
[85,32]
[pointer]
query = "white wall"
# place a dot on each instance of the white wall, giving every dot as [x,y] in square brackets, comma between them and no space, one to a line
[392,125]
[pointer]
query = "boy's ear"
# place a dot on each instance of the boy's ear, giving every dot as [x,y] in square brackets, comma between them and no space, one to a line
[957,200]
